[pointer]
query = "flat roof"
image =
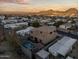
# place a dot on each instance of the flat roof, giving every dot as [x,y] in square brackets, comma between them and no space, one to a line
[45,34]
[42,54]
[24,31]
[69,57]
[15,25]
[62,47]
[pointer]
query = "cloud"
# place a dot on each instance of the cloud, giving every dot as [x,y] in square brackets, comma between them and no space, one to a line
[5,1]
[14,1]
[22,1]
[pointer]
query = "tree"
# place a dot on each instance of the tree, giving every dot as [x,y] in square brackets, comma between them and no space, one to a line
[35,24]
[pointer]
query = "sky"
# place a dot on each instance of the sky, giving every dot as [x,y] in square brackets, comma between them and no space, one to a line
[36,5]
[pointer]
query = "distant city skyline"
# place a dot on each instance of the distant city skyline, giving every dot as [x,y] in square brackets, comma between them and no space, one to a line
[36,5]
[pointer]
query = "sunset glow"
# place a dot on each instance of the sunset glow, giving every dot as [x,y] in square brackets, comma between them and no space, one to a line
[36,5]
[22,1]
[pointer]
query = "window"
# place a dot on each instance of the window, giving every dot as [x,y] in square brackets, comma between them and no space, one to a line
[40,41]
[36,39]
[50,32]
[41,32]
[54,31]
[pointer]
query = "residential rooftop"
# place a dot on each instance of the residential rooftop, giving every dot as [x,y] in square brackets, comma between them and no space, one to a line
[62,47]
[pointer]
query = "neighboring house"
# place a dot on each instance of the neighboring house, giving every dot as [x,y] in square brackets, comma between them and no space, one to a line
[30,49]
[65,26]
[2,17]
[9,21]
[42,54]
[42,22]
[58,20]
[51,23]
[44,34]
[15,25]
[25,31]
[62,47]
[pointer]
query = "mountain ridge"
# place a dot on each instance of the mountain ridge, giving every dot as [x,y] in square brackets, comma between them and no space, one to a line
[51,12]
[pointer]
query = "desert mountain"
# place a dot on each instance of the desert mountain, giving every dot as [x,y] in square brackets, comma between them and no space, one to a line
[69,12]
